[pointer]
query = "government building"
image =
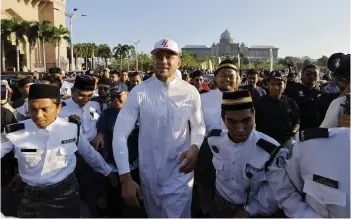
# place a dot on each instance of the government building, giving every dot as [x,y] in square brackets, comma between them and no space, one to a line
[227,48]
[34,10]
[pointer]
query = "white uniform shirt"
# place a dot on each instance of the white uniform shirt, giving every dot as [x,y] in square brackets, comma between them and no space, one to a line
[211,103]
[46,156]
[320,161]
[232,161]
[88,115]
[335,111]
[66,88]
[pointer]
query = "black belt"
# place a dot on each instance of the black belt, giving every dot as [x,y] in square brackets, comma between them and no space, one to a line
[52,191]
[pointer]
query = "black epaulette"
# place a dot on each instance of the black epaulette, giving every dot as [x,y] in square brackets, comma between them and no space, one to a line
[14,127]
[63,104]
[78,123]
[313,133]
[215,132]
[270,148]
[204,91]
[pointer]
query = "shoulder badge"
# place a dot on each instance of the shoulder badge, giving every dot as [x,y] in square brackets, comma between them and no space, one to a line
[215,132]
[313,133]
[63,104]
[74,120]
[14,127]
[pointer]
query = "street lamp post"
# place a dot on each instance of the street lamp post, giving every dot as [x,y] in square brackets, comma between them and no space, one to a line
[71,16]
[136,53]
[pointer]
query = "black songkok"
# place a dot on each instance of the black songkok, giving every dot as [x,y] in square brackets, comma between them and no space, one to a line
[43,91]
[237,100]
[24,81]
[84,83]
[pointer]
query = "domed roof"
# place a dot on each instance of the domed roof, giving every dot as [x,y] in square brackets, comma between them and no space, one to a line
[226,35]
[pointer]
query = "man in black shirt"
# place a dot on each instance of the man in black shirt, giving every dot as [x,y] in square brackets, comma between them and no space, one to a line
[277,116]
[197,80]
[306,95]
[104,93]
[251,85]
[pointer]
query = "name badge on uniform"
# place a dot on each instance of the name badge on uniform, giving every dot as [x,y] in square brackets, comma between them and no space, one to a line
[28,150]
[326,181]
[68,141]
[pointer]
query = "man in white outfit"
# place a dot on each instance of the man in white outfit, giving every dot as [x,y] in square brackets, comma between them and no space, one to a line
[164,105]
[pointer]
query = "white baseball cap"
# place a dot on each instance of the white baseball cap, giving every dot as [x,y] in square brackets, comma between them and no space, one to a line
[167,44]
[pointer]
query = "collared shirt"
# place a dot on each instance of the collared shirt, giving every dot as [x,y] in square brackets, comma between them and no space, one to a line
[277,118]
[21,113]
[233,161]
[211,103]
[88,115]
[164,111]
[335,111]
[307,100]
[46,156]
[320,168]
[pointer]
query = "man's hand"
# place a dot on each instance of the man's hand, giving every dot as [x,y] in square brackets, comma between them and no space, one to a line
[131,192]
[98,141]
[344,121]
[188,159]
[241,213]
[16,184]
[112,178]
[76,117]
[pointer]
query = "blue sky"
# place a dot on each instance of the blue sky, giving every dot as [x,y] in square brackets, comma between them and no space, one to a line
[298,27]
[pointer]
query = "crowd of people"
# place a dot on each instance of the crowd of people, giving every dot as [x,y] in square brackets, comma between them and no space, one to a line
[247,143]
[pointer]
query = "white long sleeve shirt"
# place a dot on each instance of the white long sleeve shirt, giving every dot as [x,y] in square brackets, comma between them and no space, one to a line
[88,115]
[320,168]
[211,103]
[232,161]
[164,111]
[334,112]
[46,156]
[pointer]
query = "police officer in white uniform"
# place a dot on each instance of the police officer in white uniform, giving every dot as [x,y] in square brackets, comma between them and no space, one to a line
[45,147]
[168,150]
[226,78]
[323,179]
[241,157]
[81,105]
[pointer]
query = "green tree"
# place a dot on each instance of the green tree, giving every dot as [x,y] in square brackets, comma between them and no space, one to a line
[59,34]
[6,31]
[32,34]
[46,31]
[104,51]
[322,62]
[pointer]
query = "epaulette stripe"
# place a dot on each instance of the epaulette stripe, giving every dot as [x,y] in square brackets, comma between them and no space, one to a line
[266,145]
[313,133]
[215,132]
[14,127]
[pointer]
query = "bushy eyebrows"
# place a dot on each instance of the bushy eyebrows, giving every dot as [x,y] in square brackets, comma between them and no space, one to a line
[243,119]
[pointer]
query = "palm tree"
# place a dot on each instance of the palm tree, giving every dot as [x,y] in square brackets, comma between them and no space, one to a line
[121,52]
[32,34]
[104,52]
[6,30]
[78,51]
[46,31]
[60,33]
[91,50]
